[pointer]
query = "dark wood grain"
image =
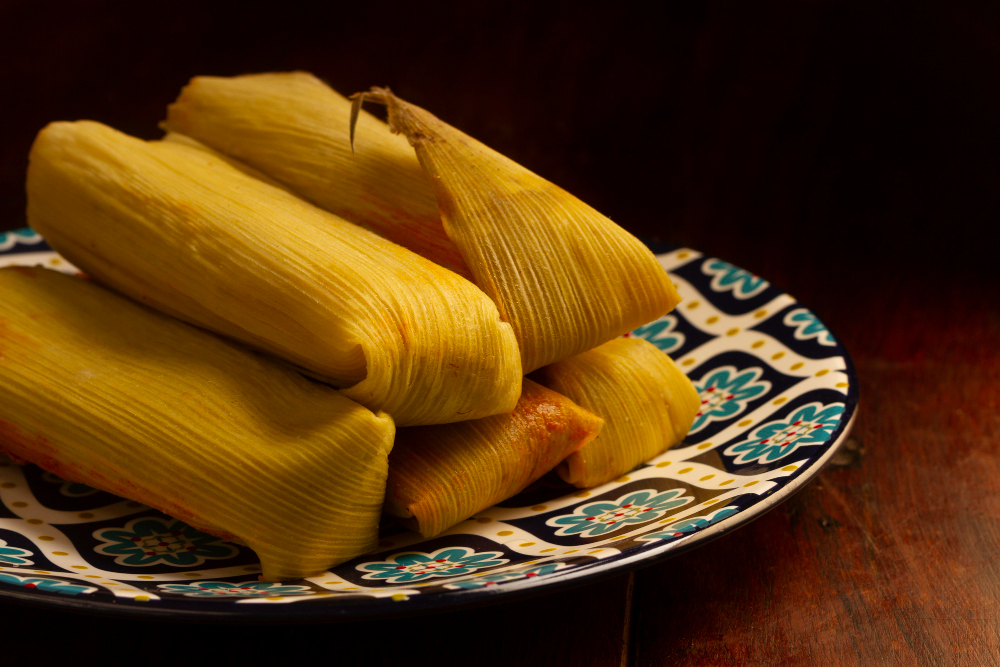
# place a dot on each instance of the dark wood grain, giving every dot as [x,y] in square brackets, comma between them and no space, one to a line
[889,557]
[844,150]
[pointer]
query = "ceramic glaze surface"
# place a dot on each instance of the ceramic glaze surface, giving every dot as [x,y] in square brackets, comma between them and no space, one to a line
[778,393]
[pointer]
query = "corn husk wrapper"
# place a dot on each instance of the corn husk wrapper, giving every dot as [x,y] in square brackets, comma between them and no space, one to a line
[566,277]
[103,391]
[181,230]
[294,128]
[646,401]
[441,475]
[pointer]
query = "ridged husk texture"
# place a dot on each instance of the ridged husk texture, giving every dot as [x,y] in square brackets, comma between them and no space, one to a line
[294,128]
[106,392]
[646,401]
[181,230]
[441,475]
[566,277]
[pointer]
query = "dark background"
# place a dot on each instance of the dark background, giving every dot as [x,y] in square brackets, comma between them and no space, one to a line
[848,151]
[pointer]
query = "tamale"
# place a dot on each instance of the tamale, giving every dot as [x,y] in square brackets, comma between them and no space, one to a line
[646,401]
[294,128]
[179,229]
[441,475]
[103,391]
[566,277]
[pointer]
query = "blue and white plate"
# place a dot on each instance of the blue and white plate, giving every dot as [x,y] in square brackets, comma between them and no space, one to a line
[778,396]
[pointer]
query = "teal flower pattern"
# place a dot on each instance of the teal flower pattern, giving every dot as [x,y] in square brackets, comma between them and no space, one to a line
[492,579]
[728,278]
[685,526]
[151,541]
[807,326]
[416,566]
[45,584]
[725,393]
[13,555]
[661,333]
[227,589]
[606,516]
[24,235]
[70,489]
[810,425]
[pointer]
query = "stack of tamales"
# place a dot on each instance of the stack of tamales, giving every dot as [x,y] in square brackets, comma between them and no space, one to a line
[415,279]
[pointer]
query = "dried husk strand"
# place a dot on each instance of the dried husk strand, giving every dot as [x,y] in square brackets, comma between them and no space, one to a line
[180,229]
[646,401]
[103,391]
[294,128]
[441,475]
[566,277]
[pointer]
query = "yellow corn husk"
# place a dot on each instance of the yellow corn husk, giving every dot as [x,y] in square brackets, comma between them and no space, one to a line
[646,401]
[294,128]
[103,391]
[441,475]
[176,138]
[181,230]
[566,277]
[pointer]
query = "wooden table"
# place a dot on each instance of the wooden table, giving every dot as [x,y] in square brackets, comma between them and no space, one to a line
[847,156]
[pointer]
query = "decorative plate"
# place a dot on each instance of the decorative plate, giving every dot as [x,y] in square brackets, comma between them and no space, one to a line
[778,396]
